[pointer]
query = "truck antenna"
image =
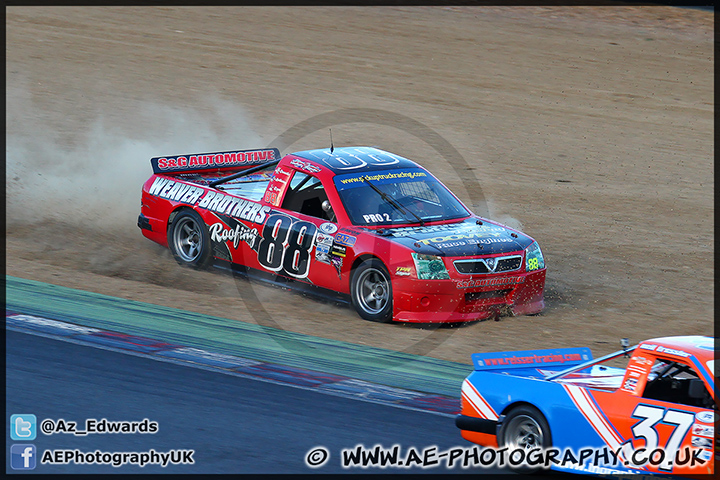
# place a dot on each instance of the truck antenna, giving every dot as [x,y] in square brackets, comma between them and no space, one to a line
[331,142]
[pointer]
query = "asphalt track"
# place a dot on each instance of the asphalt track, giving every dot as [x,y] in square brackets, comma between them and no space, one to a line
[237,412]
[251,407]
[234,425]
[159,330]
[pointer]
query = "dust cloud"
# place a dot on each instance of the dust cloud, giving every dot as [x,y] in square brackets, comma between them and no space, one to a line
[95,182]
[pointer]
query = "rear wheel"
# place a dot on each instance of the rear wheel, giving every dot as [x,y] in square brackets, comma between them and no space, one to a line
[371,291]
[525,428]
[189,240]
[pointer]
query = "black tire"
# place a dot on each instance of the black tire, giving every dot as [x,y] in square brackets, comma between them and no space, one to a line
[371,291]
[189,240]
[525,427]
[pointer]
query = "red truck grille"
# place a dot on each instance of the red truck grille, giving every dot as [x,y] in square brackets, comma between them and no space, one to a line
[488,265]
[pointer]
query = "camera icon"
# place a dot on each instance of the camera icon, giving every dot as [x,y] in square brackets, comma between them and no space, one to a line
[23,426]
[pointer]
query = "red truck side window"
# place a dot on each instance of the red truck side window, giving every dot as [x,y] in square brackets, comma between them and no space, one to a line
[306,195]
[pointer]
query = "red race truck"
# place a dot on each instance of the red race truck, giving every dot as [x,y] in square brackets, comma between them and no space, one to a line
[354,224]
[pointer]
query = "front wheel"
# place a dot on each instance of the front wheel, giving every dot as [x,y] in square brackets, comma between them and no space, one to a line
[371,291]
[189,240]
[525,428]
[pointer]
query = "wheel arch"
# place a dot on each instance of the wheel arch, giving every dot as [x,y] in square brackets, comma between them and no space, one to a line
[175,212]
[522,403]
[358,261]
[363,257]
[519,403]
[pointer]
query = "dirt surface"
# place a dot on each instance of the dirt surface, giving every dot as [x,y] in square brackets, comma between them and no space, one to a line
[590,128]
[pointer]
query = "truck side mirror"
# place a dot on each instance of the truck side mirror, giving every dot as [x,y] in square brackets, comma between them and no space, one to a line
[327,208]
